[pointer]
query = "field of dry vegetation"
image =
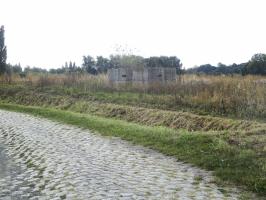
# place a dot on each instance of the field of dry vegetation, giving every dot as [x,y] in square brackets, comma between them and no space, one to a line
[234,96]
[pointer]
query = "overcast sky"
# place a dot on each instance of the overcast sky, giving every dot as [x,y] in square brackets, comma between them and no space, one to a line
[46,33]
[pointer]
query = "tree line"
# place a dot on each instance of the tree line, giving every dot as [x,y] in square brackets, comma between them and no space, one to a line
[102,64]
[256,65]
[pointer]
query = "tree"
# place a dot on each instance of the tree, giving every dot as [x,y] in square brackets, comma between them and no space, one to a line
[164,61]
[174,62]
[35,70]
[127,61]
[71,68]
[66,65]
[103,64]
[88,65]
[257,65]
[16,68]
[220,69]
[74,65]
[202,69]
[3,53]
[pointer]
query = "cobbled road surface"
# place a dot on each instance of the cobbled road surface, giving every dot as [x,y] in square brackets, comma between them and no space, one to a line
[41,159]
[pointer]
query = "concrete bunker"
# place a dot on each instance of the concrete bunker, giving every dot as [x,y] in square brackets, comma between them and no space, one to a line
[145,75]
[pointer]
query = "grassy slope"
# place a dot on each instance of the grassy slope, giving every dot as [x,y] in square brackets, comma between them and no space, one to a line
[53,97]
[146,100]
[208,150]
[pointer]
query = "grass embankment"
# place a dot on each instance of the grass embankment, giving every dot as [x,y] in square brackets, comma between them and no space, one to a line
[231,96]
[250,134]
[209,150]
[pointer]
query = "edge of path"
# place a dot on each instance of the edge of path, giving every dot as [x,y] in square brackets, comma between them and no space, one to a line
[207,150]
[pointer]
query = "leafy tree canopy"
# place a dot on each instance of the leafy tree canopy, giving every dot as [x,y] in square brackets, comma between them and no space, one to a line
[257,65]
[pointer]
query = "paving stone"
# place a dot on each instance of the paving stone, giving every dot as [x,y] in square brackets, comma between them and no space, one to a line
[42,159]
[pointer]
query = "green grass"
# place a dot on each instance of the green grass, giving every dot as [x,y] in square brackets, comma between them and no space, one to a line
[208,150]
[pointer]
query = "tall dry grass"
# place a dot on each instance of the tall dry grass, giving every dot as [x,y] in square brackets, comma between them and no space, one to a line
[241,96]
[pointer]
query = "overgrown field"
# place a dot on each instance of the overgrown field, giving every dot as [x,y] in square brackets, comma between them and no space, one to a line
[234,96]
[201,120]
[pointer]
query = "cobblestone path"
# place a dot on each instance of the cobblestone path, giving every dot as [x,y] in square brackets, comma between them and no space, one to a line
[41,159]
